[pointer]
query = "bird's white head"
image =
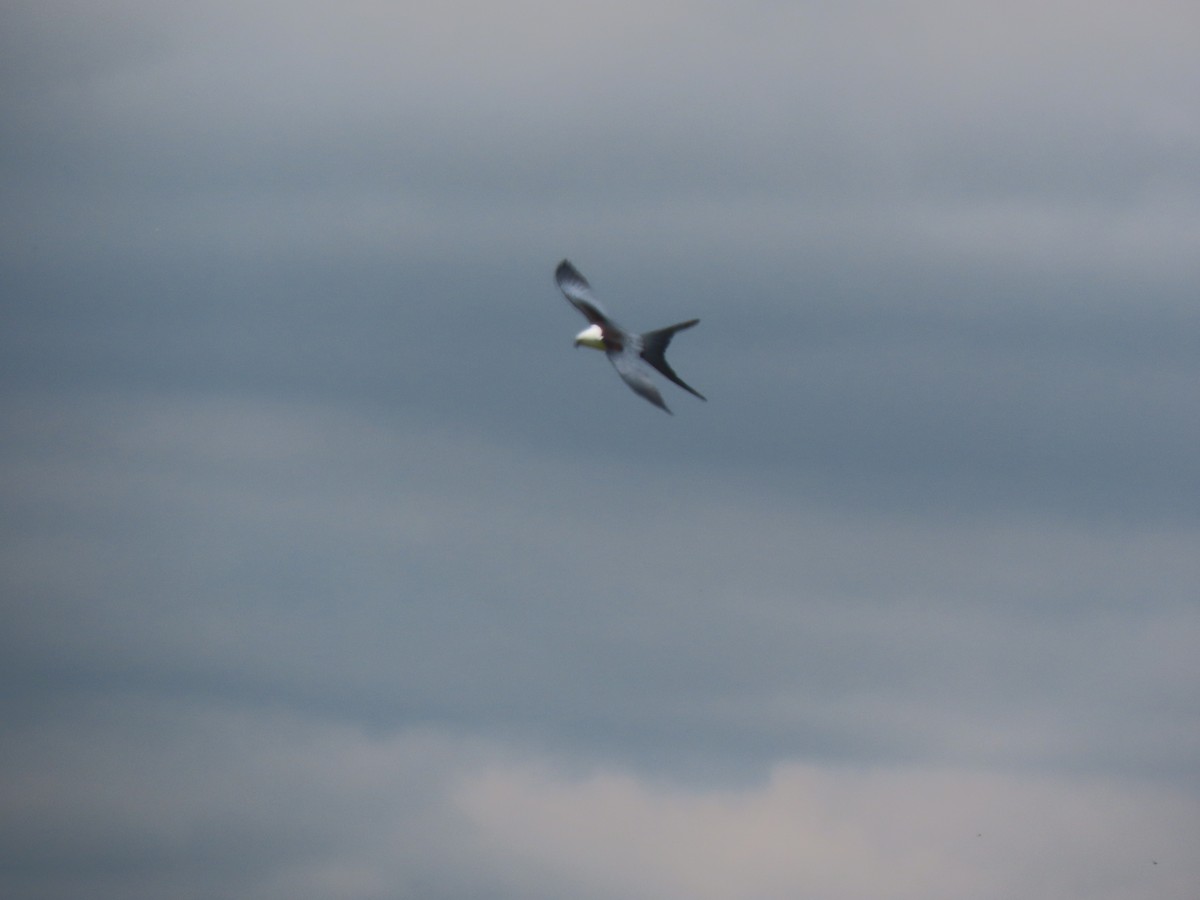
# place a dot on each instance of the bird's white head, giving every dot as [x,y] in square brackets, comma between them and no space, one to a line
[592,336]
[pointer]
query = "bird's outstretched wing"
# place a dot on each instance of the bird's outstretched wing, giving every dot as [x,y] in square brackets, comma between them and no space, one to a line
[579,292]
[635,373]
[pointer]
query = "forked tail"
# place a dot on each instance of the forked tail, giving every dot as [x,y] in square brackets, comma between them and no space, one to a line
[654,348]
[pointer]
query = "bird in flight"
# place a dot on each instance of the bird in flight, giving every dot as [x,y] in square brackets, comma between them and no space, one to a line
[632,355]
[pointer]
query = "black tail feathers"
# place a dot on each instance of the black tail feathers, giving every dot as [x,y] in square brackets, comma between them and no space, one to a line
[654,348]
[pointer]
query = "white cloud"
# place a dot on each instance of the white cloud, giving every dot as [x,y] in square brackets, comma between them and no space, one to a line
[199,800]
[840,833]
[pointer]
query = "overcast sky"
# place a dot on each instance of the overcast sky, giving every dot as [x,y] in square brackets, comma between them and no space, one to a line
[331,570]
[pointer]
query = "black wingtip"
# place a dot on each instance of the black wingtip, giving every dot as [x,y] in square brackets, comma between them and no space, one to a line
[567,274]
[655,399]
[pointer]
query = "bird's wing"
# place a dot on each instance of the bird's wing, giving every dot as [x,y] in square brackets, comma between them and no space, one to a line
[635,373]
[579,292]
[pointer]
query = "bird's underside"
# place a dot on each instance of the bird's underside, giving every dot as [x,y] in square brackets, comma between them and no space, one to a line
[632,355]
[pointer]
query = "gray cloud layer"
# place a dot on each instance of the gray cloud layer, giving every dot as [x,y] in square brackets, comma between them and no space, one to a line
[331,570]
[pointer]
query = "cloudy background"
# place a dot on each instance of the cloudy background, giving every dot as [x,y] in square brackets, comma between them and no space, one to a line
[331,570]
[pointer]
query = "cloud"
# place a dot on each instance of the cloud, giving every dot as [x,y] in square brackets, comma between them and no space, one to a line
[215,549]
[131,797]
[330,569]
[128,797]
[830,832]
[428,130]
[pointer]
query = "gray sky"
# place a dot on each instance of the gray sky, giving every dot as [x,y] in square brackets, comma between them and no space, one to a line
[331,570]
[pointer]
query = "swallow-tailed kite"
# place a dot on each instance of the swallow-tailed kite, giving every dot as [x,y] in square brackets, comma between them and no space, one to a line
[631,354]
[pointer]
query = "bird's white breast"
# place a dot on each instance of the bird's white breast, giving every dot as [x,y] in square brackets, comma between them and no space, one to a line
[592,336]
